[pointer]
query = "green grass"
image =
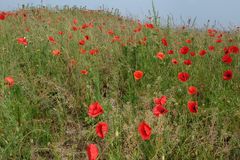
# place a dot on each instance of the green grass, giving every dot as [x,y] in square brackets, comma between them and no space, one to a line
[44,115]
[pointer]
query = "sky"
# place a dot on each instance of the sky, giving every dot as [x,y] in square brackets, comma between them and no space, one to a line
[223,13]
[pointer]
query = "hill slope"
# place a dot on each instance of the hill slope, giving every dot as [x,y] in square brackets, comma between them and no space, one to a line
[55,64]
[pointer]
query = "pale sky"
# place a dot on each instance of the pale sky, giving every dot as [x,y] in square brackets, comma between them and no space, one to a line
[225,12]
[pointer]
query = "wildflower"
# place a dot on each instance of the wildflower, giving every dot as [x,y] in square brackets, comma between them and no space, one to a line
[95,109]
[92,151]
[23,41]
[159,110]
[164,42]
[184,50]
[192,90]
[149,25]
[193,106]
[174,61]
[202,53]
[9,81]
[227,75]
[160,101]
[145,130]
[187,62]
[84,72]
[81,42]
[56,52]
[183,76]
[102,129]
[227,59]
[160,55]
[138,75]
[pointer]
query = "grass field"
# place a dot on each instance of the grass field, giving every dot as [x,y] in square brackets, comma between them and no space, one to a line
[55,64]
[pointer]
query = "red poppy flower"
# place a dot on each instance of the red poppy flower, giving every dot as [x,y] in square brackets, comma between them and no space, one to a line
[74,28]
[138,29]
[184,50]
[212,32]
[192,90]
[75,21]
[145,130]
[160,55]
[183,76]
[92,151]
[90,25]
[56,52]
[23,41]
[84,26]
[226,50]
[51,39]
[202,53]
[2,16]
[233,49]
[9,81]
[170,52]
[187,62]
[174,61]
[193,106]
[188,41]
[82,51]
[159,110]
[95,109]
[138,75]
[60,32]
[211,48]
[192,54]
[227,59]
[110,32]
[149,25]
[85,72]
[160,101]
[116,38]
[218,40]
[81,42]
[227,75]
[93,51]
[86,37]
[220,35]
[102,129]
[164,42]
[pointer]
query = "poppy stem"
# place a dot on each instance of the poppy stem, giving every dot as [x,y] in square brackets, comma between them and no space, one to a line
[18,116]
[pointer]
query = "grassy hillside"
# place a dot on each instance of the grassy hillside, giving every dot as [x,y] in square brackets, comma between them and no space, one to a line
[54,66]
